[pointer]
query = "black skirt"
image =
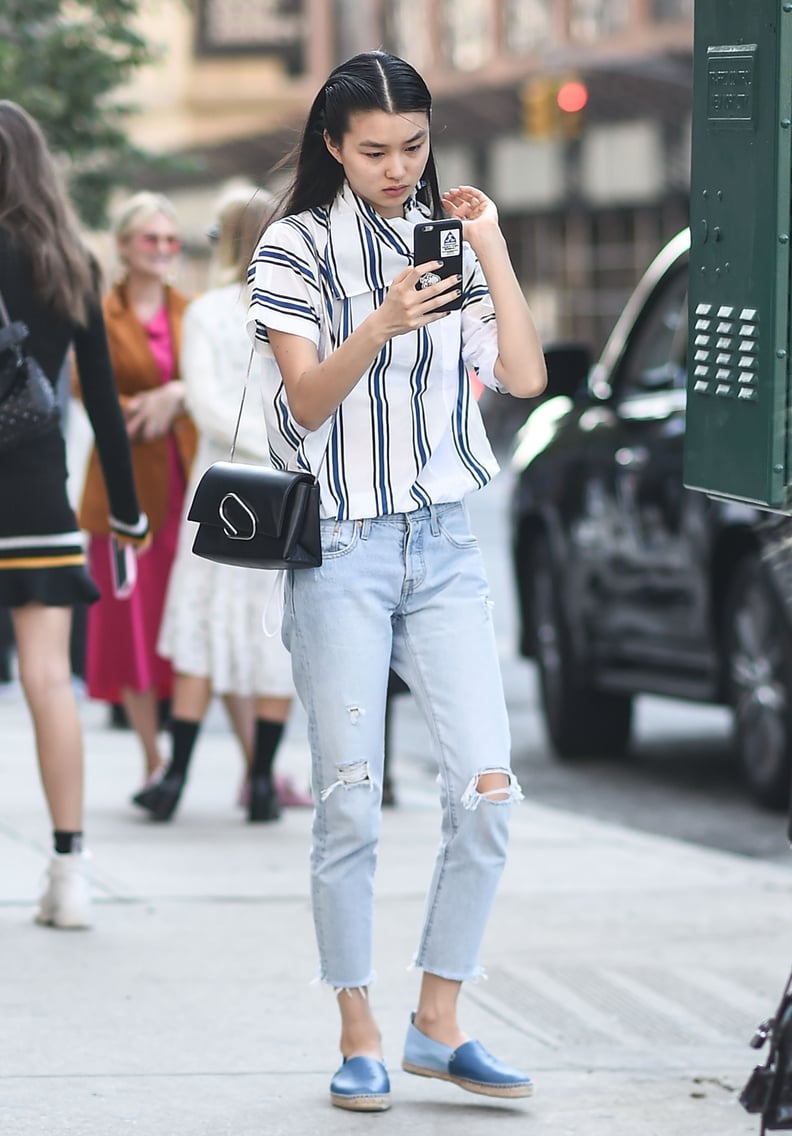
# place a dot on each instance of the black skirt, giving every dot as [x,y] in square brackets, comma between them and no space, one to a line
[42,558]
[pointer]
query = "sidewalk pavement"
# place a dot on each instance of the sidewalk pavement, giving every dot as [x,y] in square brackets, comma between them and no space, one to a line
[626,972]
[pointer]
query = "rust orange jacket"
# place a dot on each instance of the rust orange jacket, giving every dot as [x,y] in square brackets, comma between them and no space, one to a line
[136,370]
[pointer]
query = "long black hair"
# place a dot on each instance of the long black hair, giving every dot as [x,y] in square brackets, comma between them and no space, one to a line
[37,214]
[373,80]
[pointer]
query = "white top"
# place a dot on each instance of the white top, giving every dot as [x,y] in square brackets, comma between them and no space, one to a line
[212,622]
[214,361]
[409,434]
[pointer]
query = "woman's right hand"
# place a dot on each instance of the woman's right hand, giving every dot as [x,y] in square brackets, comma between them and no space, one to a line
[407,307]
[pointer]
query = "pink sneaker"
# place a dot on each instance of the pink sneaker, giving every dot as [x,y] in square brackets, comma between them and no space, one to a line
[290,796]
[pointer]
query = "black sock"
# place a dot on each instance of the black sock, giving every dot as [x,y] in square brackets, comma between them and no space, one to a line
[67,842]
[183,738]
[268,736]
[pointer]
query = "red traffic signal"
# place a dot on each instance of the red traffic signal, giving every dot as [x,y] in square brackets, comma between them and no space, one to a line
[572,96]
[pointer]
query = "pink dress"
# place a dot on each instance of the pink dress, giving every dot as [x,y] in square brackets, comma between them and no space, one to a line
[122,634]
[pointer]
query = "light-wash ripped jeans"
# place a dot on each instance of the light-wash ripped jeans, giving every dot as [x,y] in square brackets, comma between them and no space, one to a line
[407,589]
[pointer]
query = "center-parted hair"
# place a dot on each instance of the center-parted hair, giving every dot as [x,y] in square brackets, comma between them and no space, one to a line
[373,80]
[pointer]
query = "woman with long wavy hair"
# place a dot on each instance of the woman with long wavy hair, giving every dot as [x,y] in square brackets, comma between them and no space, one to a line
[50,283]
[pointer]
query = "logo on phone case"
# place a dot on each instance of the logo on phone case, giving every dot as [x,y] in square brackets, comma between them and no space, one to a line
[449,243]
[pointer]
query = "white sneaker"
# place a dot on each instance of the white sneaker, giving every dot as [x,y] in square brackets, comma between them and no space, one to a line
[66,901]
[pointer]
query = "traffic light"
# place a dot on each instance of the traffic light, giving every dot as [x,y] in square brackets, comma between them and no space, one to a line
[553,107]
[540,110]
[571,99]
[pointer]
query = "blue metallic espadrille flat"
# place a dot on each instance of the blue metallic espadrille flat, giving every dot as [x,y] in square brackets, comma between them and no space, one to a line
[470,1066]
[361,1085]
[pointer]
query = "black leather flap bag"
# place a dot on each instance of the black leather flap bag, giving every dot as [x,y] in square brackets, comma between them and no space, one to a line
[256,517]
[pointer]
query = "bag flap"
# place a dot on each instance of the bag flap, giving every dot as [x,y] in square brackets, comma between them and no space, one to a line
[244,499]
[13,335]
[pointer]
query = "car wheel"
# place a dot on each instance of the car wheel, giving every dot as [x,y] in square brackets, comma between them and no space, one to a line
[759,675]
[581,720]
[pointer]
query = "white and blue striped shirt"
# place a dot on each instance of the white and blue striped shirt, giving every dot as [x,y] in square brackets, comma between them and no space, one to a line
[410,433]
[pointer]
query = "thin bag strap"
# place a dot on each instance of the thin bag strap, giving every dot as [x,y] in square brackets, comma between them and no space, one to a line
[242,407]
[241,404]
[4,311]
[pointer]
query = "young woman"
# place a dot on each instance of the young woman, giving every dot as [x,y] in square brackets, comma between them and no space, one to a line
[143,315]
[50,283]
[376,400]
[212,626]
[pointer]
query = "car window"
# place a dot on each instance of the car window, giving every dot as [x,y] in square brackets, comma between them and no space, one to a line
[656,352]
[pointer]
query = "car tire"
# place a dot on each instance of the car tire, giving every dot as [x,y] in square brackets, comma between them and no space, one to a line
[581,720]
[758,662]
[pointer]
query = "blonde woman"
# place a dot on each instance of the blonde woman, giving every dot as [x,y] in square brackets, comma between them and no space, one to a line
[49,282]
[212,628]
[143,314]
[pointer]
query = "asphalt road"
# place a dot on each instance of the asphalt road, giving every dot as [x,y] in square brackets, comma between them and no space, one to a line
[680,780]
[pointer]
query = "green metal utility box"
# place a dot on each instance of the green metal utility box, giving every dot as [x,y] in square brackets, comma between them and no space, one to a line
[737,437]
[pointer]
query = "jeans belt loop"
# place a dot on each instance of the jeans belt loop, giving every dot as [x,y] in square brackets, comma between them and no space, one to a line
[365,528]
[434,523]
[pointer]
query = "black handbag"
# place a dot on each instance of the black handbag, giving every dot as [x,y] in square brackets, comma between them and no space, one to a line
[768,1091]
[253,516]
[28,405]
[256,517]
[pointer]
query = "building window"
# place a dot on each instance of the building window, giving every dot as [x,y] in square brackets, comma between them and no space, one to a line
[671,11]
[468,33]
[596,19]
[526,25]
[407,32]
[254,27]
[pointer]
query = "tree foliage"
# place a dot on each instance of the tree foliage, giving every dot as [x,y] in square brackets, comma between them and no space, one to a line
[64,61]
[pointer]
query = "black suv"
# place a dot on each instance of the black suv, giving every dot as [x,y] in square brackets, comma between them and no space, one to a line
[629,583]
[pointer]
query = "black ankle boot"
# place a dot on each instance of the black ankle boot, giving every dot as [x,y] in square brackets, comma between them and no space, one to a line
[263,803]
[161,798]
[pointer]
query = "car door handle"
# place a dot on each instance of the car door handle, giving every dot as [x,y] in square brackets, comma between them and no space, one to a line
[632,457]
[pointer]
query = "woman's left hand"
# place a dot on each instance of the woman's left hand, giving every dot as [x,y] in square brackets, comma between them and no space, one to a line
[477,212]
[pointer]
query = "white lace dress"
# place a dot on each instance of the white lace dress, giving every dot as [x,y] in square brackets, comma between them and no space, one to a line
[213,619]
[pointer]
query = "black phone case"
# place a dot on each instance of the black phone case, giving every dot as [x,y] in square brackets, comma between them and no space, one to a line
[440,240]
[119,567]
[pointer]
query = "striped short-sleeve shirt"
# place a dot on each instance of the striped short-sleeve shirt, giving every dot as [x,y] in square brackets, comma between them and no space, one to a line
[409,434]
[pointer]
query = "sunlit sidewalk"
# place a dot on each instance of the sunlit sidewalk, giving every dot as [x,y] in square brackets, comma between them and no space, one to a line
[626,972]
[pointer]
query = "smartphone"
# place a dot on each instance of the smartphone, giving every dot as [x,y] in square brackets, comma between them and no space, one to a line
[123,569]
[439,240]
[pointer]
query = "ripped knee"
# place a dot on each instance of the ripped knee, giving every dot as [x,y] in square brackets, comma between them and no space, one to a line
[498,786]
[351,775]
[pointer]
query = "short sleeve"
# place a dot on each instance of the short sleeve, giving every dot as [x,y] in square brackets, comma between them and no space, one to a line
[283,281]
[479,326]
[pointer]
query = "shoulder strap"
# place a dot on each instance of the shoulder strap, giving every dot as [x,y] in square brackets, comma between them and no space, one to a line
[242,407]
[241,404]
